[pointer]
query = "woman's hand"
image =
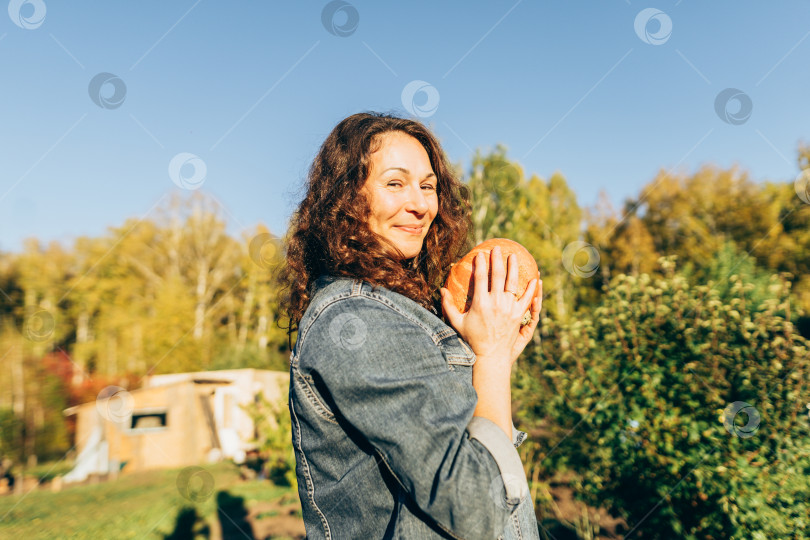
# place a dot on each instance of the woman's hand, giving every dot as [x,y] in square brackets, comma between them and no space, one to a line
[492,324]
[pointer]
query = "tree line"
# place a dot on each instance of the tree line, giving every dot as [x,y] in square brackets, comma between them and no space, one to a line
[174,292]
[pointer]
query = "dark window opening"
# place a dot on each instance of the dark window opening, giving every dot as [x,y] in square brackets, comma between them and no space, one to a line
[148,420]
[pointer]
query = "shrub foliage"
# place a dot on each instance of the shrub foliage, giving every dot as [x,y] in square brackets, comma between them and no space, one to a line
[683,413]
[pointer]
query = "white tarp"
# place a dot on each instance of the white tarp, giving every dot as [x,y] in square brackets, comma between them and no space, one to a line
[94,458]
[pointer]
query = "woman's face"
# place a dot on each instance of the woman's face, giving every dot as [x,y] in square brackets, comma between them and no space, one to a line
[401,187]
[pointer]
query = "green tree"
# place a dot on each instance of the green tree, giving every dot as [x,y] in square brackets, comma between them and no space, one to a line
[623,241]
[542,216]
[691,216]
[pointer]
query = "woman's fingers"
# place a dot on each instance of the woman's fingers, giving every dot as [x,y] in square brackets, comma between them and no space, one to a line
[481,280]
[527,330]
[525,301]
[539,294]
[498,271]
[535,304]
[512,273]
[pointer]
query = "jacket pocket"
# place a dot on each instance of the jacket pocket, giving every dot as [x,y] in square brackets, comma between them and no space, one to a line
[307,386]
[454,349]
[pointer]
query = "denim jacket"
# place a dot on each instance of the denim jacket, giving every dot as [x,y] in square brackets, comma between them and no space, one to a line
[386,444]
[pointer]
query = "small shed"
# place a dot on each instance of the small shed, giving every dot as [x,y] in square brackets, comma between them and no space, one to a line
[175,420]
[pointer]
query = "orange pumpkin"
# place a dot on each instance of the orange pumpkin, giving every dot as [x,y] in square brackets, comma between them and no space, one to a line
[461,279]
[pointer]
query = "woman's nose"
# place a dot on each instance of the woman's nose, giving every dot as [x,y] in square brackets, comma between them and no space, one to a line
[417,200]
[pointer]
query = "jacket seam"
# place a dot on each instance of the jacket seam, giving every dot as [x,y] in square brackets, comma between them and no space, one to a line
[310,485]
[468,358]
[386,302]
[516,521]
[357,290]
[315,314]
[437,337]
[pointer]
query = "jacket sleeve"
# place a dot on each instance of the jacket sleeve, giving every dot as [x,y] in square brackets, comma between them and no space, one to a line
[390,381]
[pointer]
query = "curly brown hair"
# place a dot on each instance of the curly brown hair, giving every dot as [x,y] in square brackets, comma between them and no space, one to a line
[329,231]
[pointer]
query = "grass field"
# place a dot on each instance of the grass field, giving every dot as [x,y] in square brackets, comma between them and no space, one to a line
[212,503]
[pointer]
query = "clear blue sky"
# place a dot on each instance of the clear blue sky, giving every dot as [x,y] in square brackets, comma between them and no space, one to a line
[252,88]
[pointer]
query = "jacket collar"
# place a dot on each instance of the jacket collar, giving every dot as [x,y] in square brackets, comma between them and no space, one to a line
[347,283]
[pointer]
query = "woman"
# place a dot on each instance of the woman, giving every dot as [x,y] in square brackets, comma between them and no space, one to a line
[401,425]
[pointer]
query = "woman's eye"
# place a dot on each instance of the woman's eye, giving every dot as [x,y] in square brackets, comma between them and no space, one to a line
[398,183]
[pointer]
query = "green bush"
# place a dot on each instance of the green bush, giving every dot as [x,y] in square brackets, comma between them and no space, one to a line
[684,414]
[274,438]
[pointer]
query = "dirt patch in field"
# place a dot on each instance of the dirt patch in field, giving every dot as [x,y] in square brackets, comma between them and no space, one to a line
[272,520]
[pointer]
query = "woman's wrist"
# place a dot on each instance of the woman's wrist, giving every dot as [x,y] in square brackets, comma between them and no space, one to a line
[492,382]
